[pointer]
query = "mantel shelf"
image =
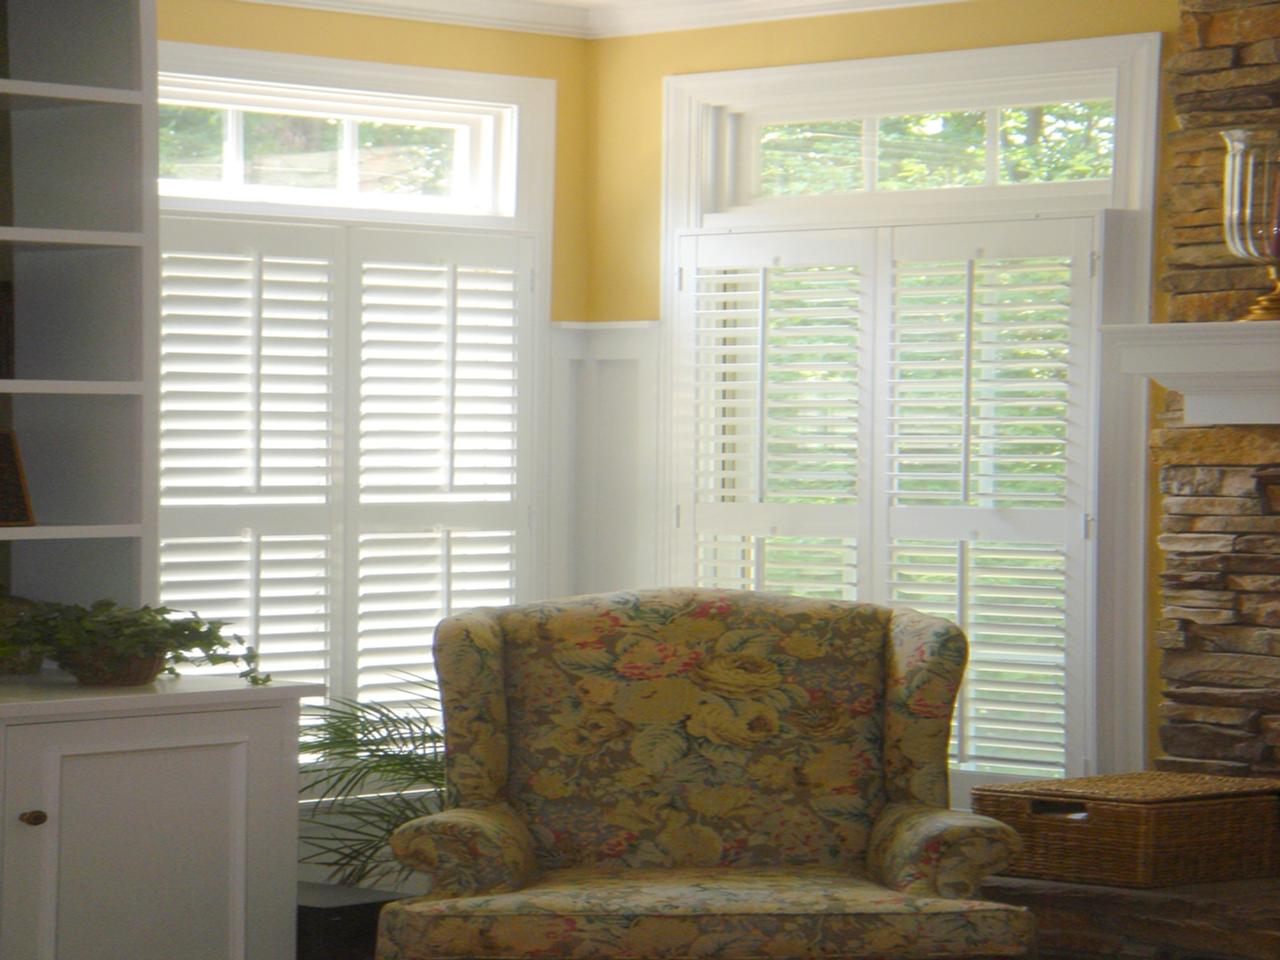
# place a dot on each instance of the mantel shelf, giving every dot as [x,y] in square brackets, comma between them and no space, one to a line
[1227,373]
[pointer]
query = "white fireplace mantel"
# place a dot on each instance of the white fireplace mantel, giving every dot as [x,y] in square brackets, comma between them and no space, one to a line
[1227,373]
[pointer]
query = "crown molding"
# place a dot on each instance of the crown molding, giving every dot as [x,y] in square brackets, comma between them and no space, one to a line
[610,18]
[628,17]
[524,16]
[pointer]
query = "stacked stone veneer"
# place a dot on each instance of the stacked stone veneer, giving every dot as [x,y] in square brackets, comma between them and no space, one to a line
[1219,623]
[1221,626]
[1225,73]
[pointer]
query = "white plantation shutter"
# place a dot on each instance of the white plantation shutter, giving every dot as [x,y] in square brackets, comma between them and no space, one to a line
[339,423]
[440,513]
[903,416]
[986,390]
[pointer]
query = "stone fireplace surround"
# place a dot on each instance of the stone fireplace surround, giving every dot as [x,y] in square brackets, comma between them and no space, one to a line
[1218,626]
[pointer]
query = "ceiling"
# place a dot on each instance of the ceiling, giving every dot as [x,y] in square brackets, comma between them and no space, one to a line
[596,18]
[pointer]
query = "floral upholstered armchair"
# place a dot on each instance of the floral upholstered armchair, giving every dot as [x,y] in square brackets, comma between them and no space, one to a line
[696,773]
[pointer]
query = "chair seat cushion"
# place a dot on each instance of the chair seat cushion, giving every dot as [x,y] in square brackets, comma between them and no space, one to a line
[736,913]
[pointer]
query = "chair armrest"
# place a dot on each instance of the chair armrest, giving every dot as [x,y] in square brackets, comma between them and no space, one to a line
[929,851]
[468,851]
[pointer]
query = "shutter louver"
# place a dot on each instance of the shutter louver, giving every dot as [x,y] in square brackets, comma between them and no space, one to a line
[245,381]
[978,383]
[272,591]
[438,389]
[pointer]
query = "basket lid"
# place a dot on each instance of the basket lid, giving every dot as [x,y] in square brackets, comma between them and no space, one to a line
[1152,786]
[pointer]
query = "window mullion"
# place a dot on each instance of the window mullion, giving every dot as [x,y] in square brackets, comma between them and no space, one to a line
[993,147]
[233,149]
[349,158]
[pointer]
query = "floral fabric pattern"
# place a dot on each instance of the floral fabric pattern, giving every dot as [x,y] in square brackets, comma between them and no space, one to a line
[697,773]
[696,728]
[938,853]
[738,912]
[926,658]
[468,851]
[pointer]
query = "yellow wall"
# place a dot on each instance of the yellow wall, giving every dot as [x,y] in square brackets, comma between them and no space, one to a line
[627,184]
[293,30]
[609,104]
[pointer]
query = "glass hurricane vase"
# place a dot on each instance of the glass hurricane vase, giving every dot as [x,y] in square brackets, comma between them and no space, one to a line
[1251,207]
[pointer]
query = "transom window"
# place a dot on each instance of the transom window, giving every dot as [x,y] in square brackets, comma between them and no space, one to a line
[303,145]
[1004,145]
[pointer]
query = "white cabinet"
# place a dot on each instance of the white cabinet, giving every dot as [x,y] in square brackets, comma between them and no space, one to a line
[148,823]
[78,282]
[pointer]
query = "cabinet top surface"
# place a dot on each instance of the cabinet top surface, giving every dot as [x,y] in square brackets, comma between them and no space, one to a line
[49,694]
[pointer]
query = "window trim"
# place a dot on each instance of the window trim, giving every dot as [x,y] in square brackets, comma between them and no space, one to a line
[695,102]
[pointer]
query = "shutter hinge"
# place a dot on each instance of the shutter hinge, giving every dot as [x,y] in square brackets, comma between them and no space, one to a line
[1094,259]
[677,516]
[680,278]
[1086,525]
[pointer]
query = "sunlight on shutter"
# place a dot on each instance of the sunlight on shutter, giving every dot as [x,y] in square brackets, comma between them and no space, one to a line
[273,592]
[1010,598]
[824,567]
[408,583]
[978,388]
[776,384]
[438,383]
[245,379]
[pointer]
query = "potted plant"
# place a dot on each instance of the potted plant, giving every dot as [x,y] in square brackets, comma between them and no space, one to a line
[106,644]
[370,767]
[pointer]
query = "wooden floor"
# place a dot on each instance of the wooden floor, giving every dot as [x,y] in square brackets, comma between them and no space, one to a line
[1238,920]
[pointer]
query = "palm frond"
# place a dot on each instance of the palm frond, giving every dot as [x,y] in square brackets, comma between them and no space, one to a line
[373,767]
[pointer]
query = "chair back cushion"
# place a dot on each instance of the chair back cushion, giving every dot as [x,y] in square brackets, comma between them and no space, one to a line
[696,727]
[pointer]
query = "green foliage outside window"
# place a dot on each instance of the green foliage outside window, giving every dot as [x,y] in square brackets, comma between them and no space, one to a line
[1045,143]
[191,142]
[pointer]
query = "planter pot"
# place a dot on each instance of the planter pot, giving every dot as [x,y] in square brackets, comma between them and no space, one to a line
[95,668]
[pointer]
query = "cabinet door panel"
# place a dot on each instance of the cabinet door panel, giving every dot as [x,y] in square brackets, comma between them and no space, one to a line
[146,853]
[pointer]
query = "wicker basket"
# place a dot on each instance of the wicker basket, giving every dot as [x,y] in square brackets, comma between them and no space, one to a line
[1141,829]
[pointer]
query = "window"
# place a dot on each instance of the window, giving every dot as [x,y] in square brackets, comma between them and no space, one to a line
[1025,144]
[292,144]
[346,406]
[885,303]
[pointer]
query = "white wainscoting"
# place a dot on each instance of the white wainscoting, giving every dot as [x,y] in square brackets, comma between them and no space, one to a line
[604,456]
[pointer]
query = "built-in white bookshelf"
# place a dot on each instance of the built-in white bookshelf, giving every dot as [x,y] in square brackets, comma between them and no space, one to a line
[77,275]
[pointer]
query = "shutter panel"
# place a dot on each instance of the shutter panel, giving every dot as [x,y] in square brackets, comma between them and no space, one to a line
[776,384]
[246,373]
[440,524]
[978,382]
[272,591]
[438,381]
[985,472]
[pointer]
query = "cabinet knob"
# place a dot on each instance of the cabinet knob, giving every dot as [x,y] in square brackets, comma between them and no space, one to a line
[33,818]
